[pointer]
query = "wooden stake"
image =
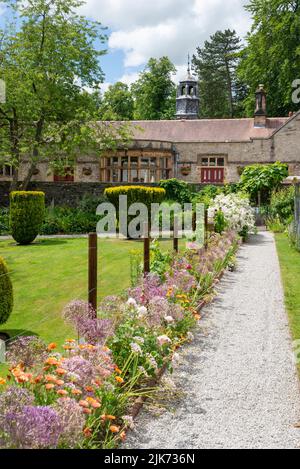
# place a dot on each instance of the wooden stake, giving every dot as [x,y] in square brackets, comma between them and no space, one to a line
[93,260]
[146,248]
[175,235]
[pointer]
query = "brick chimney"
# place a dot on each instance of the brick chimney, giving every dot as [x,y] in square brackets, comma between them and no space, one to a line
[260,116]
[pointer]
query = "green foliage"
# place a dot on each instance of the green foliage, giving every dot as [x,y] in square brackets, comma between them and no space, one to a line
[154,91]
[117,103]
[272,54]
[136,268]
[27,211]
[216,65]
[264,179]
[6,293]
[176,190]
[159,261]
[4,221]
[220,222]
[275,225]
[282,205]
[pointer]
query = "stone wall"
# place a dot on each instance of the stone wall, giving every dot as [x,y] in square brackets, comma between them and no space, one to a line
[68,193]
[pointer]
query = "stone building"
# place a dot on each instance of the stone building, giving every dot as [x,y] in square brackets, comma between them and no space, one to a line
[195,150]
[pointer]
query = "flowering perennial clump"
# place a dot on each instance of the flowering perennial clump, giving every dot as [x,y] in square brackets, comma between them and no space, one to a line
[79,396]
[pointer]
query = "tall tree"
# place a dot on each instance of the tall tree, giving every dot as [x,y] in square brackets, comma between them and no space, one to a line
[215,65]
[155,92]
[117,103]
[48,59]
[272,55]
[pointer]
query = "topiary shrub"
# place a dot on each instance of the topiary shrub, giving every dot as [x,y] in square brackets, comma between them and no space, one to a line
[6,293]
[27,211]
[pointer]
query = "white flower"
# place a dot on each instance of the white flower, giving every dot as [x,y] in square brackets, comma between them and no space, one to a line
[135,348]
[152,361]
[128,420]
[190,336]
[142,311]
[169,319]
[163,340]
[131,302]
[139,340]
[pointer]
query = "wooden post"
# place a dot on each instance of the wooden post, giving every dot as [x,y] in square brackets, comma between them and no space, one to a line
[93,260]
[175,235]
[146,248]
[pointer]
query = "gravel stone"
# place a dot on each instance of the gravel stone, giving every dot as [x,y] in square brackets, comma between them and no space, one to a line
[238,378]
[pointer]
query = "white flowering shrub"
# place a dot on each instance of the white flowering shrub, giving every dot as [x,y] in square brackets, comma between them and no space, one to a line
[238,213]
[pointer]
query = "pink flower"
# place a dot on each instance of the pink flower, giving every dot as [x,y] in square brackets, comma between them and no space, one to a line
[163,340]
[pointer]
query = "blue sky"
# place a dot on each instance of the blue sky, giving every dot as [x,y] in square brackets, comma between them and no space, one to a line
[140,29]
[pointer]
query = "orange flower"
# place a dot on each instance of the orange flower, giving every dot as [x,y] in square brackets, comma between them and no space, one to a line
[197,317]
[114,429]
[67,347]
[71,341]
[59,382]
[89,389]
[38,379]
[87,432]
[110,417]
[52,346]
[2,381]
[49,386]
[95,405]
[98,382]
[123,436]
[83,403]
[52,361]
[117,370]
[50,378]
[87,411]
[62,392]
[76,392]
[61,371]
[119,379]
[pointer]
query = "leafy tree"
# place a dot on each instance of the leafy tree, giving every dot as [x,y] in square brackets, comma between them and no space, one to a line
[155,92]
[48,60]
[216,64]
[117,103]
[263,179]
[272,55]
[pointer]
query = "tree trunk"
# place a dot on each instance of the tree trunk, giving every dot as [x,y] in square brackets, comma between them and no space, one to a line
[229,84]
[35,154]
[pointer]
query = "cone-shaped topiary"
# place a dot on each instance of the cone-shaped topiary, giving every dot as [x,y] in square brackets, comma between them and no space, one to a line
[6,293]
[27,211]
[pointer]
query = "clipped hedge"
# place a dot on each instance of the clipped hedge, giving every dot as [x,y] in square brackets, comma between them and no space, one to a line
[27,211]
[136,194]
[6,293]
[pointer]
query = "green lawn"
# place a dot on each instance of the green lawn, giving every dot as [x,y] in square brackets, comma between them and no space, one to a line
[290,270]
[50,273]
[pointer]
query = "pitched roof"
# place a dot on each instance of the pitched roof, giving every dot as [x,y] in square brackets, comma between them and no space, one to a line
[205,130]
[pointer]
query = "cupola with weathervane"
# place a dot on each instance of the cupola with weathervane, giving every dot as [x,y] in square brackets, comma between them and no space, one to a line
[187,101]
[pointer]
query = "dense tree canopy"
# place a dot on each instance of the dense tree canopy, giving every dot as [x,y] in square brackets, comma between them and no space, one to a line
[117,103]
[215,65]
[154,92]
[272,55]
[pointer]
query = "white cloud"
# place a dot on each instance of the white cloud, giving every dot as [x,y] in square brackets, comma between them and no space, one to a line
[144,29]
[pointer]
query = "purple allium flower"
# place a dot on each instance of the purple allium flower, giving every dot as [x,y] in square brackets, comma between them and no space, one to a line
[76,311]
[33,428]
[150,287]
[182,280]
[30,350]
[72,422]
[95,331]
[80,369]
[13,399]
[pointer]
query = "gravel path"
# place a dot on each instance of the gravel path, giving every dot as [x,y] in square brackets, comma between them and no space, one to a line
[239,382]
